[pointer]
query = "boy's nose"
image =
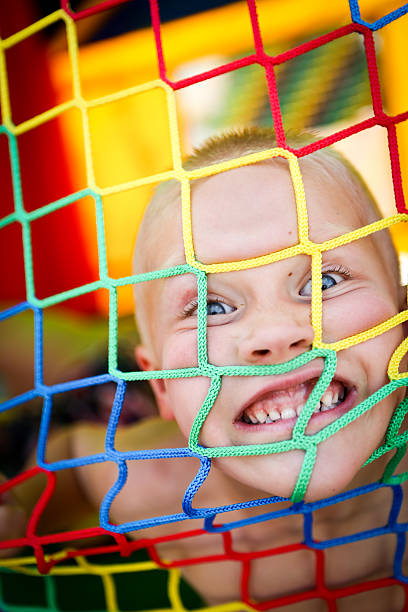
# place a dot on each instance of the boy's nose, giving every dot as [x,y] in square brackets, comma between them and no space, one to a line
[276,339]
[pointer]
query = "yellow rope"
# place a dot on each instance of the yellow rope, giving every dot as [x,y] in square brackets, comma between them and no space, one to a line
[33,28]
[394,365]
[316,305]
[368,334]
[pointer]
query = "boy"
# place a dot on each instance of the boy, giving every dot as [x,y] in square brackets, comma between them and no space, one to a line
[259,316]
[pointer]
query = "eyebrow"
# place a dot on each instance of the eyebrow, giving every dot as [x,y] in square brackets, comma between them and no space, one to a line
[186,283]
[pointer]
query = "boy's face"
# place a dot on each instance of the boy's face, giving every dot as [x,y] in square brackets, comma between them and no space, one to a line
[262,316]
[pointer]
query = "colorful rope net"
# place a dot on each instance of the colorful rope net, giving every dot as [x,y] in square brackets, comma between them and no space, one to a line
[79,562]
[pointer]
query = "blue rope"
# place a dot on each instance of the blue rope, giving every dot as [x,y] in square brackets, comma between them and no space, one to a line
[379,23]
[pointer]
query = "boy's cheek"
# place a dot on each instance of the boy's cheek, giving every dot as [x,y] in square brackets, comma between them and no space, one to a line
[373,372]
[353,313]
[222,345]
[186,396]
[180,351]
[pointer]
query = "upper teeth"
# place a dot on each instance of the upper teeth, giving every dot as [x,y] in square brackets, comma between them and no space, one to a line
[288,413]
[268,410]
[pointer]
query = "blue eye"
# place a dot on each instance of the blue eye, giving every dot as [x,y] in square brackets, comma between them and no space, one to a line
[218,308]
[214,307]
[328,280]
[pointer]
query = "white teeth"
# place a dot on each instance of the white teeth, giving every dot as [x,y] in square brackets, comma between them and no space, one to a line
[330,399]
[325,408]
[274,415]
[327,398]
[288,413]
[261,415]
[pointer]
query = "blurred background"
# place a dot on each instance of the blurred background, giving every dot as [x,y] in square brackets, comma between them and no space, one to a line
[323,90]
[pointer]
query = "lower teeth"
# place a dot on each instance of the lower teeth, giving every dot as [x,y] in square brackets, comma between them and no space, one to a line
[324,408]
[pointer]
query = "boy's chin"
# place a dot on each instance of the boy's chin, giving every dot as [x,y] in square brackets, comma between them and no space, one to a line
[277,475]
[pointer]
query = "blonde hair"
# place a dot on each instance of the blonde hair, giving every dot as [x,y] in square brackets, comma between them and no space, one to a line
[326,162]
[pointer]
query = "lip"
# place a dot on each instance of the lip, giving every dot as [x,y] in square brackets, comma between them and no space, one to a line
[293,379]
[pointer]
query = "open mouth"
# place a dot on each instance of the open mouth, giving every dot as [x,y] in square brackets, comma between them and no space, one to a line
[284,404]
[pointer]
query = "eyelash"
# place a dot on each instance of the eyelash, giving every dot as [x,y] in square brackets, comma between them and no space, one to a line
[189,309]
[337,268]
[193,305]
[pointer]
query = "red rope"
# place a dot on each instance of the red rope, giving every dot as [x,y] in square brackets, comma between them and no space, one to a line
[396,169]
[125,548]
[92,10]
[373,73]
[156,25]
[316,42]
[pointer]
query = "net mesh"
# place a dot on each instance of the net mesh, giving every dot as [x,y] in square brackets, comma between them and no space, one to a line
[73,563]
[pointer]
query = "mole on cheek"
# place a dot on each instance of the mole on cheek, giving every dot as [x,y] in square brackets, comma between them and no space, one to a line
[290,273]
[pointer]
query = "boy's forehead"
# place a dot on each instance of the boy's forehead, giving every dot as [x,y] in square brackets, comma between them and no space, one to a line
[252,211]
